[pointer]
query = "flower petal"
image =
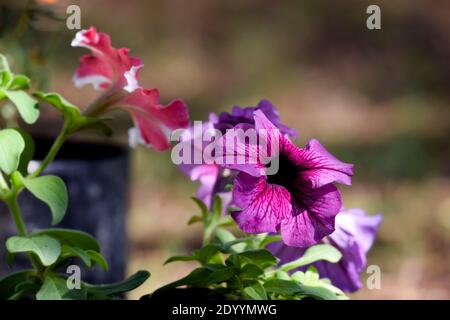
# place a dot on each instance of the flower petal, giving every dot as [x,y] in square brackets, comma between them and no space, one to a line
[273,115]
[98,42]
[208,175]
[174,115]
[131,77]
[263,206]
[110,62]
[154,120]
[312,218]
[320,167]
[360,226]
[150,134]
[240,115]
[234,151]
[94,71]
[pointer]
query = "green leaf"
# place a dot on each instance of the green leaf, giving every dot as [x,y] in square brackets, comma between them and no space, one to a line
[9,283]
[26,288]
[242,241]
[73,238]
[28,152]
[68,251]
[52,191]
[69,110]
[290,288]
[321,287]
[202,206]
[256,292]
[45,248]
[229,241]
[194,219]
[224,235]
[55,288]
[315,253]
[220,275]
[98,259]
[206,253]
[217,206]
[283,275]
[127,285]
[283,287]
[196,277]
[319,292]
[250,272]
[260,257]
[27,106]
[5,79]
[19,82]
[269,239]
[308,278]
[4,63]
[11,148]
[179,258]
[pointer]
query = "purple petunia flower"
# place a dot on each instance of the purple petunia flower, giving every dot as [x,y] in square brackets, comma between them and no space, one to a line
[300,200]
[354,235]
[213,178]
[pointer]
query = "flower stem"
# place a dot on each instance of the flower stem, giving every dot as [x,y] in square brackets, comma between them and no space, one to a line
[18,220]
[53,151]
[20,225]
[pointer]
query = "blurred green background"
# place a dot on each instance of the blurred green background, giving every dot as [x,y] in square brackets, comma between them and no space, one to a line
[379,99]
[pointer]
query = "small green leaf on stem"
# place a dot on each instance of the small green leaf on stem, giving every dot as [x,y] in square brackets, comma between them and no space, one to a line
[45,248]
[55,288]
[52,191]
[27,106]
[129,284]
[74,238]
[11,147]
[68,110]
[315,253]
[98,259]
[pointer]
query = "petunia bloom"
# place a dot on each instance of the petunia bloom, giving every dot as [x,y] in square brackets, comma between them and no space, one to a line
[117,72]
[354,235]
[212,177]
[300,199]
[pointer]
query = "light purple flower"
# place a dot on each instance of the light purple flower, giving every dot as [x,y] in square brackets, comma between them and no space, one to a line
[241,115]
[354,235]
[207,174]
[300,200]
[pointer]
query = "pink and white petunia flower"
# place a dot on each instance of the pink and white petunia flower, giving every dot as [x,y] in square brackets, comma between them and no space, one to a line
[117,72]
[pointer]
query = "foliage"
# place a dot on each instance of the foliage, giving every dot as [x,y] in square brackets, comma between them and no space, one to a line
[243,268]
[49,250]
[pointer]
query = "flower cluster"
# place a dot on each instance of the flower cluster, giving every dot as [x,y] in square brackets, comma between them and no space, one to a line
[300,200]
[117,72]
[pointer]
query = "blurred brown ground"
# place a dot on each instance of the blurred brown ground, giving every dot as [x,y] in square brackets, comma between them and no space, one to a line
[379,99]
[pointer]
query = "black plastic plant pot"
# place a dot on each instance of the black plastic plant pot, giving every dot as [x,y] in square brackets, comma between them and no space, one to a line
[97,178]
